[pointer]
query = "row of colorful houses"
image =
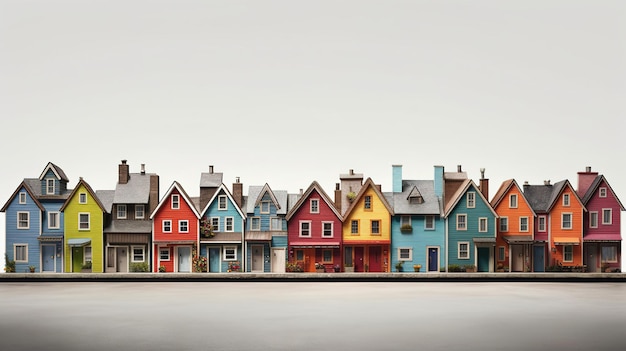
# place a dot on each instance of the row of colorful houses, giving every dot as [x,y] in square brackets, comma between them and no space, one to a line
[439,224]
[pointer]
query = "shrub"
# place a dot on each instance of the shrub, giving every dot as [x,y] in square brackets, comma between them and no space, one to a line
[139,267]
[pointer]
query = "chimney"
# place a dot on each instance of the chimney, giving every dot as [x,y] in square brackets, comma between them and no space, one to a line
[396,178]
[438,181]
[585,179]
[143,168]
[211,169]
[458,168]
[337,196]
[484,184]
[238,192]
[154,194]
[301,191]
[546,182]
[123,173]
[352,172]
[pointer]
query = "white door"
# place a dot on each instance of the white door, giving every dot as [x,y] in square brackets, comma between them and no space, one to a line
[278,260]
[257,258]
[184,259]
[122,259]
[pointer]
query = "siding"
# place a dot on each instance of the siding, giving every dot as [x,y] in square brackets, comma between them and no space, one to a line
[419,240]
[23,236]
[576,209]
[378,212]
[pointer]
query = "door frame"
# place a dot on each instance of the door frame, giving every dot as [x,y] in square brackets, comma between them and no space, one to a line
[438,265]
[262,247]
[54,258]
[177,263]
[274,261]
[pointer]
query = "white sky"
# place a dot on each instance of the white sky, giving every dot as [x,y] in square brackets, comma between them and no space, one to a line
[287,92]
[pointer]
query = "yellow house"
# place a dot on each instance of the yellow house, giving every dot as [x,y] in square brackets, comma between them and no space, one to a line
[84,215]
[367,230]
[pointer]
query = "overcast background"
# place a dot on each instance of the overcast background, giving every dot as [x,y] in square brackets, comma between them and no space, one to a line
[288,92]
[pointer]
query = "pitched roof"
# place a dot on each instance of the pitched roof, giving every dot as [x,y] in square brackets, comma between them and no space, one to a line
[369,183]
[211,180]
[256,193]
[222,188]
[58,172]
[454,200]
[89,189]
[594,187]
[106,197]
[504,189]
[176,186]
[402,203]
[136,191]
[30,192]
[129,226]
[302,199]
[543,197]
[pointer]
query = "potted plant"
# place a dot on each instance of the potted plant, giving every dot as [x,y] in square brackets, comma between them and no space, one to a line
[470,268]
[319,267]
[348,268]
[86,268]
[9,265]
[162,269]
[351,196]
[293,267]
[406,228]
[500,267]
[32,269]
[399,266]
[417,267]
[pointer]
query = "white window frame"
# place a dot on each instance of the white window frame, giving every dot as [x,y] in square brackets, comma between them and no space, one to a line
[566,200]
[23,223]
[471,199]
[430,218]
[121,211]
[604,216]
[50,181]
[314,206]
[568,250]
[264,207]
[22,197]
[229,224]
[513,201]
[304,232]
[563,220]
[460,256]
[15,255]
[230,256]
[88,220]
[483,225]
[222,203]
[215,224]
[541,223]
[166,251]
[501,253]
[175,202]
[522,224]
[602,192]
[276,223]
[140,211]
[329,230]
[82,198]
[56,214]
[254,220]
[613,258]
[593,219]
[405,254]
[166,223]
[464,216]
[503,224]
[143,253]
[183,226]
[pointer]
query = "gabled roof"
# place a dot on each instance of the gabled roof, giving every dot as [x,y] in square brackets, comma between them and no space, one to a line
[593,188]
[210,180]
[106,197]
[256,193]
[58,172]
[136,191]
[176,186]
[223,188]
[89,190]
[543,197]
[454,200]
[504,189]
[30,192]
[559,187]
[369,183]
[411,188]
[317,187]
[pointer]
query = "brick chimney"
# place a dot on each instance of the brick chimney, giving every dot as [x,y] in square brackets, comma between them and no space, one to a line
[238,192]
[154,193]
[585,179]
[337,196]
[123,174]
[484,184]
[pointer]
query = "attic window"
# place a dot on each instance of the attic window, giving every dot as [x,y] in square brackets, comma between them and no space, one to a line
[416,199]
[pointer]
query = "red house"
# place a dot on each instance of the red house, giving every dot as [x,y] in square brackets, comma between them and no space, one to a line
[314,229]
[175,231]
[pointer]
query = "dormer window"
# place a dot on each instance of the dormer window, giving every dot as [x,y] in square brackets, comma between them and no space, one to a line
[565,199]
[82,198]
[513,201]
[367,202]
[265,207]
[222,204]
[22,198]
[416,199]
[121,211]
[140,211]
[175,202]
[315,206]
[602,192]
[50,186]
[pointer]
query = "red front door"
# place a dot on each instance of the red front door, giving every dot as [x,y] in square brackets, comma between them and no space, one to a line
[359,263]
[375,259]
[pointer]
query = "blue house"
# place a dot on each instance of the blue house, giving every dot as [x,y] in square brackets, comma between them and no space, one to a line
[34,224]
[418,226]
[470,223]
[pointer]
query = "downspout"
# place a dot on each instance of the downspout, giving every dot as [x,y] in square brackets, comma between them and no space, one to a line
[244,261]
[447,248]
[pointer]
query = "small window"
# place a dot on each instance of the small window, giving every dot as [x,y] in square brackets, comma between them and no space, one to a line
[609,254]
[566,221]
[183,226]
[83,221]
[222,204]
[121,211]
[167,226]
[405,254]
[276,223]
[50,186]
[87,254]
[602,192]
[53,220]
[568,253]
[327,256]
[315,206]
[463,250]
[265,207]
[593,219]
[501,251]
[367,202]
[327,229]
[607,216]
[405,220]
[255,223]
[82,198]
[20,252]
[229,224]
[483,225]
[471,199]
[164,254]
[138,254]
[504,224]
[22,199]
[523,224]
[23,220]
[354,227]
[215,223]
[175,202]
[541,226]
[230,253]
[565,199]
[429,222]
[305,228]
[299,255]
[140,211]
[513,201]
[461,222]
[375,227]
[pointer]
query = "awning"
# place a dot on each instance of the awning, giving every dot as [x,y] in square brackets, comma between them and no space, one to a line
[261,236]
[484,240]
[78,242]
[515,239]
[366,242]
[47,238]
[567,241]
[314,244]
[603,237]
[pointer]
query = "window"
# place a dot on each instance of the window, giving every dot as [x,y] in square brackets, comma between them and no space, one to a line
[593,219]
[405,220]
[22,199]
[482,224]
[501,251]
[568,253]
[53,220]
[121,211]
[276,223]
[215,223]
[609,254]
[375,227]
[504,224]
[183,226]
[463,250]
[327,229]
[229,224]
[164,254]
[327,256]
[565,199]
[523,224]
[83,221]
[265,207]
[49,186]
[138,254]
[255,223]
[23,220]
[167,226]
[82,198]
[315,206]
[461,222]
[230,253]
[405,254]
[566,221]
[20,252]
[140,211]
[471,199]
[367,202]
[87,254]
[429,222]
[175,202]
[513,201]
[299,255]
[222,204]
[602,192]
[541,226]
[354,227]
[305,228]
[607,216]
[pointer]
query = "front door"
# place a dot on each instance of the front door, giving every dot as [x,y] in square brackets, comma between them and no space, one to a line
[111,259]
[359,264]
[77,259]
[214,259]
[278,260]
[47,258]
[538,258]
[590,257]
[257,258]
[517,259]
[184,259]
[433,259]
[483,259]
[122,259]
[375,259]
